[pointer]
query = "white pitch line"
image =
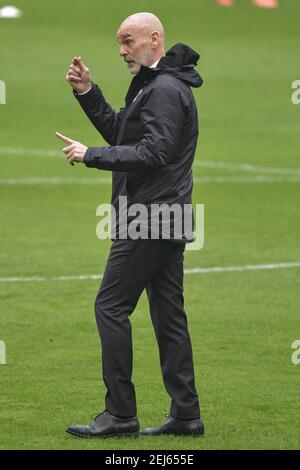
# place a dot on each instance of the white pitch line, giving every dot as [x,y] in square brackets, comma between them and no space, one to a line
[246,167]
[213,269]
[246,179]
[204,163]
[83,277]
[247,267]
[52,181]
[29,152]
[107,180]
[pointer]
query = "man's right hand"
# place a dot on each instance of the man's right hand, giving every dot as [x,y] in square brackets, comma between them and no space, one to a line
[79,76]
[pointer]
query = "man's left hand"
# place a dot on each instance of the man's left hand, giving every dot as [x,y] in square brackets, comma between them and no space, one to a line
[75,151]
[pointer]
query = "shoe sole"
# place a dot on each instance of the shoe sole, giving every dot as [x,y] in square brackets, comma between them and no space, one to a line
[99,436]
[173,434]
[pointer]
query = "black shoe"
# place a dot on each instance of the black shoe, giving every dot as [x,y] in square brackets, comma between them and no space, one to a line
[106,425]
[179,427]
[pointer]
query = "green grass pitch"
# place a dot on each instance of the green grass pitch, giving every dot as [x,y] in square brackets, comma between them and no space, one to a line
[242,323]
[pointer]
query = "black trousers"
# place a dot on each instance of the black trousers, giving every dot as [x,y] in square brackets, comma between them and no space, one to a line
[132,266]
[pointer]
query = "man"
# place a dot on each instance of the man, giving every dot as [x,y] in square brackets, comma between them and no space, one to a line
[152,142]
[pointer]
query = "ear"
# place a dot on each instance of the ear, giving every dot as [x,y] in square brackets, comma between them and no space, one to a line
[154,39]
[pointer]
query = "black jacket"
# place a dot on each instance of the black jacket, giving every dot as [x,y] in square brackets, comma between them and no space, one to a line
[152,139]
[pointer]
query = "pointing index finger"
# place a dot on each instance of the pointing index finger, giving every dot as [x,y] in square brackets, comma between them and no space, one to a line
[64,138]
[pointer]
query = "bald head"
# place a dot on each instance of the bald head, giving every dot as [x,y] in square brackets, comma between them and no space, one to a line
[145,23]
[141,38]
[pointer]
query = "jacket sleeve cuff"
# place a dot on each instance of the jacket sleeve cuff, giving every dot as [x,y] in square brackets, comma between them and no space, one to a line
[89,96]
[85,92]
[89,158]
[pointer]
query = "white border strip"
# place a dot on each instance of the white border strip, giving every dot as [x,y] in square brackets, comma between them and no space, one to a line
[215,269]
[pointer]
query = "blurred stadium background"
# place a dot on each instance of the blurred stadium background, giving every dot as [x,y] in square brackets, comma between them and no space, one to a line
[247,174]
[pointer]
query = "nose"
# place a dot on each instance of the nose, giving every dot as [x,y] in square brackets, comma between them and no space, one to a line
[122,51]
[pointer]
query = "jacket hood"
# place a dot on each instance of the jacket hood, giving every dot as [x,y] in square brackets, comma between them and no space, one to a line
[180,62]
